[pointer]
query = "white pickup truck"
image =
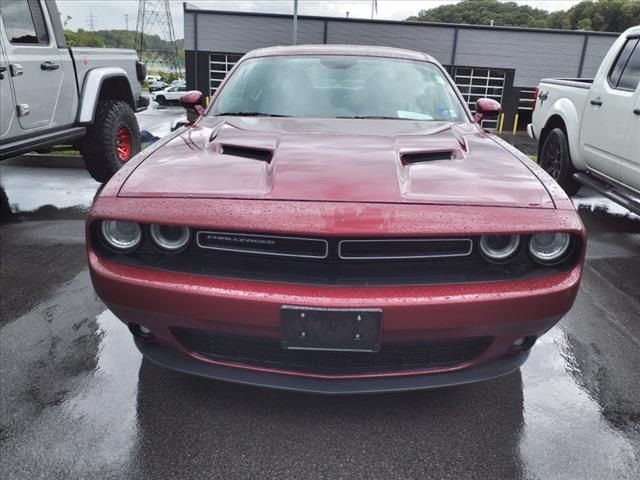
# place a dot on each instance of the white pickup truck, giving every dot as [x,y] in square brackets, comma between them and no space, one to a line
[51,94]
[588,131]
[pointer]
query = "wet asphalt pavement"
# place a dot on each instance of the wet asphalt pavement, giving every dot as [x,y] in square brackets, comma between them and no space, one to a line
[78,401]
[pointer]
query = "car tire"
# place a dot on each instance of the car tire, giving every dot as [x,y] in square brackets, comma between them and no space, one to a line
[112,139]
[161,100]
[555,159]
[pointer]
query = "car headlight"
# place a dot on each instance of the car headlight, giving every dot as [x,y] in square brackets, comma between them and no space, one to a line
[170,238]
[121,235]
[499,248]
[549,248]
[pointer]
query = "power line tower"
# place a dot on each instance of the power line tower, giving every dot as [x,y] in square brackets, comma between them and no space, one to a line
[154,19]
[91,22]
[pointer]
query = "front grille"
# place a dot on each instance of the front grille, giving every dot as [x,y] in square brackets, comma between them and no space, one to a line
[333,261]
[392,357]
[409,248]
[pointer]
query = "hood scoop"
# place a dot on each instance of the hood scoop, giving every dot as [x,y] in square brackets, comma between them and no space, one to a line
[253,153]
[425,157]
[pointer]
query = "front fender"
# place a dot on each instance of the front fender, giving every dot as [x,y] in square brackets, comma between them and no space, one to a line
[93,82]
[566,110]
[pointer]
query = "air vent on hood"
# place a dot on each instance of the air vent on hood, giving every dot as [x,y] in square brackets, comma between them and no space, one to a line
[422,157]
[247,152]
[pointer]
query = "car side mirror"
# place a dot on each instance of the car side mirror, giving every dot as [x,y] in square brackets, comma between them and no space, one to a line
[486,108]
[193,102]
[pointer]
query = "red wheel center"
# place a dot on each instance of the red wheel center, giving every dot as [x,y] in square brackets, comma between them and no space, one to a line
[123,143]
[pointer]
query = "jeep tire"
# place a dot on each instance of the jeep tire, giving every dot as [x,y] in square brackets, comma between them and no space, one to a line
[112,139]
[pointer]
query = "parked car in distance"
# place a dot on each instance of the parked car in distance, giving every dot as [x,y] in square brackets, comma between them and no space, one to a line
[152,79]
[52,94]
[178,82]
[589,130]
[337,222]
[159,85]
[169,95]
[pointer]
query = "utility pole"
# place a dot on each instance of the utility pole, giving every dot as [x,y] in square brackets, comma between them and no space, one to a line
[374,6]
[126,20]
[295,22]
[154,18]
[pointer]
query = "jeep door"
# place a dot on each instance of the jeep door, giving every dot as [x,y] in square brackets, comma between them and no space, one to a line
[7,104]
[37,65]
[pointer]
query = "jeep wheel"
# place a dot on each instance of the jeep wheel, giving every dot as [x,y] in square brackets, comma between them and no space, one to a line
[556,160]
[111,141]
[161,100]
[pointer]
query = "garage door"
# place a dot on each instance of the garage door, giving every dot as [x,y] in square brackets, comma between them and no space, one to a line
[219,65]
[475,83]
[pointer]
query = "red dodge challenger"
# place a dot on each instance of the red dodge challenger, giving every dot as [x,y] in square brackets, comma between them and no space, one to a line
[337,221]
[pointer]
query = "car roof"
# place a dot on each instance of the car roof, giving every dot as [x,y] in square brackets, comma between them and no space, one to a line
[362,50]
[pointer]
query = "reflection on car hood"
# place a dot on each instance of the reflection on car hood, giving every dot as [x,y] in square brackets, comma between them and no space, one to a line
[337,160]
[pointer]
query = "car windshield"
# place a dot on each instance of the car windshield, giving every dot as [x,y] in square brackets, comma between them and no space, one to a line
[336,86]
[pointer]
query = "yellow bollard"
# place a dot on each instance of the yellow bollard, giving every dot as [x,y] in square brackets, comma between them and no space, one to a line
[501,124]
[206,102]
[515,123]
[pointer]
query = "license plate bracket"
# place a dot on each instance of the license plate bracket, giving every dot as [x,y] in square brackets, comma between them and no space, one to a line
[337,329]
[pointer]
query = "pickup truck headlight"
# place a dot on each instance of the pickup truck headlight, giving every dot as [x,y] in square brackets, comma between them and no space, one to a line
[499,248]
[120,235]
[549,248]
[170,238]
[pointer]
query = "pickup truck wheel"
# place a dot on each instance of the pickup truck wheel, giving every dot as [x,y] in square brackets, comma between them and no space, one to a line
[111,141]
[556,160]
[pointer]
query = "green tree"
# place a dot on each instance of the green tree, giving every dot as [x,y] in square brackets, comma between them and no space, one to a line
[601,15]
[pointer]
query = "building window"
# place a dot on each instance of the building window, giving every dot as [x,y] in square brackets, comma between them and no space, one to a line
[475,83]
[219,65]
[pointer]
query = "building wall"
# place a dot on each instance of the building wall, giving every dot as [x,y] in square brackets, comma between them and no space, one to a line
[242,33]
[597,48]
[436,41]
[532,54]
[526,56]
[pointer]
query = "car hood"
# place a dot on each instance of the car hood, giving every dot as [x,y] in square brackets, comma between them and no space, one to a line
[337,160]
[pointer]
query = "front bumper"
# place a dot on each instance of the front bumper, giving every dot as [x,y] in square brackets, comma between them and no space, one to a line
[170,358]
[503,310]
[531,131]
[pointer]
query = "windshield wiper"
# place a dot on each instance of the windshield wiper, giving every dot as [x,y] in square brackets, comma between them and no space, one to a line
[249,114]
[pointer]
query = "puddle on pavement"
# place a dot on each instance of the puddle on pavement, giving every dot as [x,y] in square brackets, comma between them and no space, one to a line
[565,433]
[41,193]
[105,402]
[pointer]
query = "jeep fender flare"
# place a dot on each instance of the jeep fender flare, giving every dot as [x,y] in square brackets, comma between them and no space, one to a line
[92,91]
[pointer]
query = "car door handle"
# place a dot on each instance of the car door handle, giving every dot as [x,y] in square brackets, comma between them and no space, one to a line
[637,111]
[597,102]
[49,66]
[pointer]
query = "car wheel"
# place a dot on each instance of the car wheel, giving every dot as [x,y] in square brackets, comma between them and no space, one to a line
[111,141]
[161,100]
[555,159]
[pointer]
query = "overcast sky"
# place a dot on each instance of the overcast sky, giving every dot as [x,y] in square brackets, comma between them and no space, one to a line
[110,14]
